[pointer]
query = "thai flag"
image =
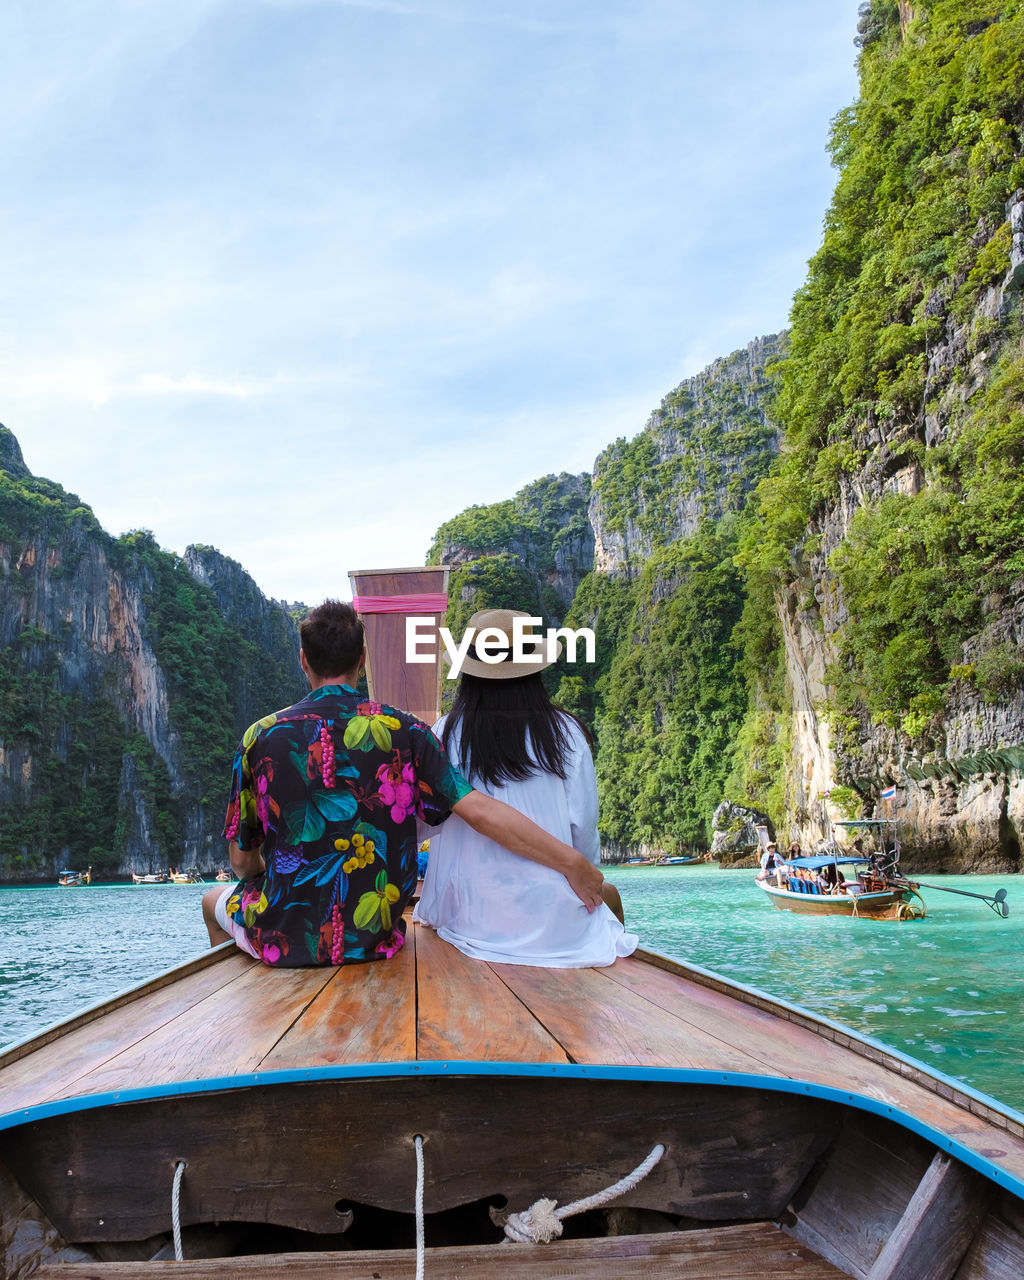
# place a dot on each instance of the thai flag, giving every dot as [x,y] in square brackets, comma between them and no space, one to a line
[889,793]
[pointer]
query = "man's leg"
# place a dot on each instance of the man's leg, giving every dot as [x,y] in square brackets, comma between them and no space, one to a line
[217,934]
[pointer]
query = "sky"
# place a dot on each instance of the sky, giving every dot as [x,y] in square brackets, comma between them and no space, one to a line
[302,279]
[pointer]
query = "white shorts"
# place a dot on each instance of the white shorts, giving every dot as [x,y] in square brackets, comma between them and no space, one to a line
[230,926]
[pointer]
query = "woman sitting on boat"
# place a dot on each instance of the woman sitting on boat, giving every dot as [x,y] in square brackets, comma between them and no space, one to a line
[505,735]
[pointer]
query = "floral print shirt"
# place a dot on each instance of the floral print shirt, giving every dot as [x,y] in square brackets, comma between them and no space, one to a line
[330,790]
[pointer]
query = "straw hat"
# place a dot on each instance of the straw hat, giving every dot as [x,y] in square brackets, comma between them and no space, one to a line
[501,620]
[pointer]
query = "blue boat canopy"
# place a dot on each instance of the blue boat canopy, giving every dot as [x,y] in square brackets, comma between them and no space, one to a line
[817,860]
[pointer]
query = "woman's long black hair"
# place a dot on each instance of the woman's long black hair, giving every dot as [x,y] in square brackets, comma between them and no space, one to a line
[493,717]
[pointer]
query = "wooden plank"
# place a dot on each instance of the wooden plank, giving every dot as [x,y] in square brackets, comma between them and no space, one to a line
[203,961]
[940,1221]
[27,1237]
[997,1251]
[777,1045]
[365,1013]
[745,1252]
[57,1067]
[990,1110]
[229,1033]
[467,1012]
[849,1208]
[600,1021]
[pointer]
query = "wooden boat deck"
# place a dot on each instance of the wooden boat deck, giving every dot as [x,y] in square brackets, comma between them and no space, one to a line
[829,1157]
[231,1017]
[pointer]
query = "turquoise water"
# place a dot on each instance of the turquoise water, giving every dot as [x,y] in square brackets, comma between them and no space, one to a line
[947,989]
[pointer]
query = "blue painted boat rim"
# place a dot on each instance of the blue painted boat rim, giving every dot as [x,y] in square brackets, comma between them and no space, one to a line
[713,979]
[513,1070]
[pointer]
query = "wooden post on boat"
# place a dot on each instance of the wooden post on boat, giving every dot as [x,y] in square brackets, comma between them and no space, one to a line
[384,599]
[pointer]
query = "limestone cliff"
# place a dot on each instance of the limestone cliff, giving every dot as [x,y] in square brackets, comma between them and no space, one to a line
[960,771]
[528,552]
[700,454]
[117,720]
[892,527]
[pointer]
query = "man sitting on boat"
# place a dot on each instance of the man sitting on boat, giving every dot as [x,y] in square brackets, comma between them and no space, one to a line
[769,861]
[321,822]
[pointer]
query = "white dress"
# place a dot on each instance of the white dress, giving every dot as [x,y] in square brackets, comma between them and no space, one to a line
[495,905]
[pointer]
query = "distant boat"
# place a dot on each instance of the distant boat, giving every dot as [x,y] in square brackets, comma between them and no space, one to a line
[223,875]
[72,879]
[816,886]
[676,861]
[153,877]
[187,877]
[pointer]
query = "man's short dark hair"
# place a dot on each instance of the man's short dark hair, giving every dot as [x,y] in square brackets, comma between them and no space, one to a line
[332,639]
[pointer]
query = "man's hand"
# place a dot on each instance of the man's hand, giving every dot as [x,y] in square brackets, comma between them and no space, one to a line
[585,880]
[514,830]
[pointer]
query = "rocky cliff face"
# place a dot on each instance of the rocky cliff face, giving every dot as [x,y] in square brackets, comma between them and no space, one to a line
[960,780]
[271,638]
[99,758]
[699,455]
[528,552]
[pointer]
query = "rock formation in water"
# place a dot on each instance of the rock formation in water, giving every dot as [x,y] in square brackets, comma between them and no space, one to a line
[126,677]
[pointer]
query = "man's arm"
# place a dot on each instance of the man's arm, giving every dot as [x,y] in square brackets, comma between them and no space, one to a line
[508,827]
[245,863]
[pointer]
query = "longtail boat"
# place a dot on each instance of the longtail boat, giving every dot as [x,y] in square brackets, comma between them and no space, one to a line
[801,885]
[411,1116]
[74,879]
[191,876]
[285,1122]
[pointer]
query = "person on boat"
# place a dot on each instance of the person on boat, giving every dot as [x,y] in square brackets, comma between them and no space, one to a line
[769,861]
[321,822]
[794,850]
[506,736]
[833,878]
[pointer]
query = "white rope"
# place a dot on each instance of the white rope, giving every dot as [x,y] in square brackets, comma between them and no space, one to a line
[542,1222]
[179,1169]
[420,1254]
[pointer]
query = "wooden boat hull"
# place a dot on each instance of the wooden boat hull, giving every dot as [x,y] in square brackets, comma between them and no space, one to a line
[293,1097]
[871,906]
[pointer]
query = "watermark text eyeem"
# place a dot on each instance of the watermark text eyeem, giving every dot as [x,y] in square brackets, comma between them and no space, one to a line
[490,645]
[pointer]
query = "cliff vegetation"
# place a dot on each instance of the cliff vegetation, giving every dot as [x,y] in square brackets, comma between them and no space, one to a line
[125,684]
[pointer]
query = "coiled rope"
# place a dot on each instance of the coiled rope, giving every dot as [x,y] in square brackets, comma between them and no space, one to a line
[539,1224]
[542,1222]
[179,1170]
